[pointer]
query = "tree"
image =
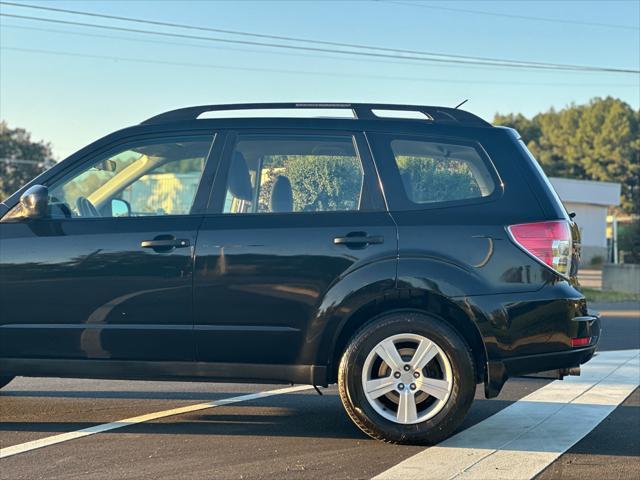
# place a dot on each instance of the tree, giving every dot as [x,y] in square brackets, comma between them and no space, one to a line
[597,141]
[529,129]
[429,179]
[324,183]
[21,159]
[319,182]
[629,241]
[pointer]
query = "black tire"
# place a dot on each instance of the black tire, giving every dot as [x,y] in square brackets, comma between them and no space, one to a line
[5,380]
[358,407]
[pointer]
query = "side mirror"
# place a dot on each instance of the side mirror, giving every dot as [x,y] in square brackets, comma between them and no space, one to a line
[120,208]
[35,202]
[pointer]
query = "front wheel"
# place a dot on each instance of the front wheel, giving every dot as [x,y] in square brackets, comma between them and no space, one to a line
[407,378]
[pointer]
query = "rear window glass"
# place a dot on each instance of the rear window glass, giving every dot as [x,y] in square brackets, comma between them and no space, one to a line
[434,172]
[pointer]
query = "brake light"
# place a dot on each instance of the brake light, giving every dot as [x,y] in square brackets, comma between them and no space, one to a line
[548,242]
[580,342]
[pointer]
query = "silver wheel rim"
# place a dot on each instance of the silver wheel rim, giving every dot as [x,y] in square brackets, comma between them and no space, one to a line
[407,378]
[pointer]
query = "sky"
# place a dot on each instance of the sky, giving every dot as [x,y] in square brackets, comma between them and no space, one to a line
[70,85]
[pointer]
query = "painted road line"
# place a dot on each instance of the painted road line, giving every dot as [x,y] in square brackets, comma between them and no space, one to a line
[635,314]
[523,439]
[65,437]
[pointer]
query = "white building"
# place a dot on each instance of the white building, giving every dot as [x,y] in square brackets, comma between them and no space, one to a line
[590,201]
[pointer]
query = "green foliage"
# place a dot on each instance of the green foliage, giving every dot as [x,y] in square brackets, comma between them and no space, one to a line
[16,144]
[596,261]
[318,183]
[527,128]
[597,141]
[593,295]
[437,180]
[629,241]
[323,183]
[326,183]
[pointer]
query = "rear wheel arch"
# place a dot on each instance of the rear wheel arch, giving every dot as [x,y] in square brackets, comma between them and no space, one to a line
[429,304]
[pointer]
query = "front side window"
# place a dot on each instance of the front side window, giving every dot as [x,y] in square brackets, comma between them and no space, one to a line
[434,172]
[294,173]
[151,179]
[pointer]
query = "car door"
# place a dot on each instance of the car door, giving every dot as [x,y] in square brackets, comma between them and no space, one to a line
[293,212]
[108,273]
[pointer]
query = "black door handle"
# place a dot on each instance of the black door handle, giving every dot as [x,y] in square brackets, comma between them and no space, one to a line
[165,243]
[358,240]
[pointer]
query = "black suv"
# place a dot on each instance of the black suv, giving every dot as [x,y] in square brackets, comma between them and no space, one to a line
[406,259]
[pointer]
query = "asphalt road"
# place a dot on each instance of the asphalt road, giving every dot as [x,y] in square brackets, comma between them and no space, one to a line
[296,435]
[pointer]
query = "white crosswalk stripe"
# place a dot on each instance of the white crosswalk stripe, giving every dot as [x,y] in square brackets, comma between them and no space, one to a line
[105,427]
[521,440]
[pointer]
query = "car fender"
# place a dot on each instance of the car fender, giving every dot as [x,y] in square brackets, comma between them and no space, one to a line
[358,288]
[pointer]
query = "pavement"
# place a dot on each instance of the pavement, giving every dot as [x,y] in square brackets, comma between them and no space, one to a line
[582,427]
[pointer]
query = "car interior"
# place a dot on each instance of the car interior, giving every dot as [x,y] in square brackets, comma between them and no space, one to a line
[91,192]
[259,174]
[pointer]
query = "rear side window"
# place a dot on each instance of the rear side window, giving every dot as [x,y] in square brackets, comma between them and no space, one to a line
[294,173]
[434,172]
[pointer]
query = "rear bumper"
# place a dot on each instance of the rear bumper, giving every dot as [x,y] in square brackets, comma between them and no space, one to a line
[498,371]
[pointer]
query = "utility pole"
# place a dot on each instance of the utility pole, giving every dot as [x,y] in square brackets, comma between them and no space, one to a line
[614,237]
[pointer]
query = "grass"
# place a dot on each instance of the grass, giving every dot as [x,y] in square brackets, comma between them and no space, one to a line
[607,296]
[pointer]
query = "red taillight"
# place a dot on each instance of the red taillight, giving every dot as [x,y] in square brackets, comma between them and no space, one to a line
[549,242]
[580,342]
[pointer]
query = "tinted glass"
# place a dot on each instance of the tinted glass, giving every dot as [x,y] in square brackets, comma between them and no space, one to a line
[150,179]
[296,173]
[434,172]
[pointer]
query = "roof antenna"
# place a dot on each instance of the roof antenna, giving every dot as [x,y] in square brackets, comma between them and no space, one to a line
[460,104]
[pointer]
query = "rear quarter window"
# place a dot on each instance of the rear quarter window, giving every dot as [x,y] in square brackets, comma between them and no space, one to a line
[433,172]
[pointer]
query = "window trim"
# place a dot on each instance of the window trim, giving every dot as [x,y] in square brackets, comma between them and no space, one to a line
[373,199]
[395,192]
[118,146]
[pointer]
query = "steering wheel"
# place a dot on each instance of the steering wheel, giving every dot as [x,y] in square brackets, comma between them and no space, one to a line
[86,208]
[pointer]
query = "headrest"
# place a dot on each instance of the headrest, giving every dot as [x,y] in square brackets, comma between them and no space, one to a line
[239,179]
[281,195]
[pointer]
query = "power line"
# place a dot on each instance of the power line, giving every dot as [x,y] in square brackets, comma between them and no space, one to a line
[243,49]
[264,36]
[296,72]
[240,49]
[296,47]
[513,16]
[500,64]
[454,59]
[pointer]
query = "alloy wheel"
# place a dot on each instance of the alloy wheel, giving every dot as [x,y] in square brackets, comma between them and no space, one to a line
[407,378]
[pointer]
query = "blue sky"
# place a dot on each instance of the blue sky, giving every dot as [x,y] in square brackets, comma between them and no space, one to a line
[90,82]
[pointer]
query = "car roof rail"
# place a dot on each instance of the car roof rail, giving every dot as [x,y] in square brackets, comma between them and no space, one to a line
[362,111]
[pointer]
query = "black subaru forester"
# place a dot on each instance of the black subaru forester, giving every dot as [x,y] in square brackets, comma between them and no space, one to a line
[406,259]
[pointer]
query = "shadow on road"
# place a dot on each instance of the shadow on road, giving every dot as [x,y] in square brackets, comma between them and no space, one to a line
[123,394]
[285,416]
